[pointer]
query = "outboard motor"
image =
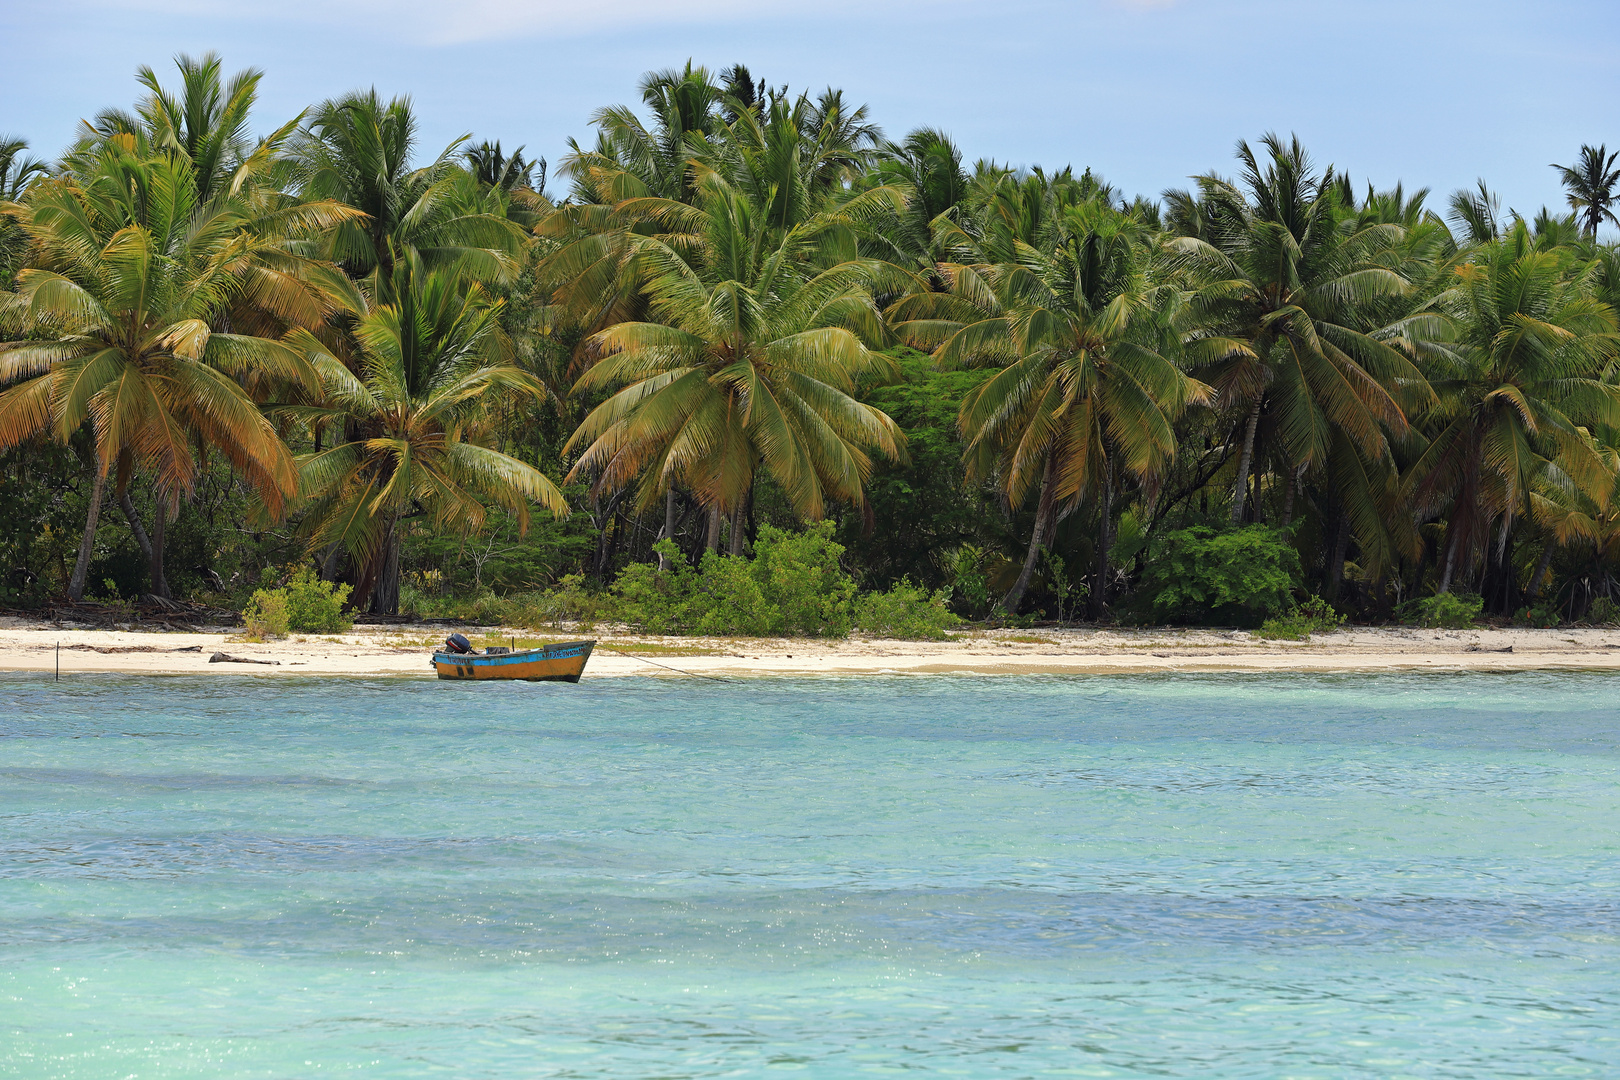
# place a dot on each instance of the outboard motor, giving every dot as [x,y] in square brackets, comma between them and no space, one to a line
[458,643]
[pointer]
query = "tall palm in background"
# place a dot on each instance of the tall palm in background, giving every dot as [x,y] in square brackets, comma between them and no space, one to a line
[1086,389]
[129,277]
[1591,182]
[357,150]
[752,366]
[633,157]
[587,271]
[928,165]
[206,122]
[17,171]
[418,439]
[1514,392]
[1274,267]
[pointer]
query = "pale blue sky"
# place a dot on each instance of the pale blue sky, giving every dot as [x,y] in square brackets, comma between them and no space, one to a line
[1147,92]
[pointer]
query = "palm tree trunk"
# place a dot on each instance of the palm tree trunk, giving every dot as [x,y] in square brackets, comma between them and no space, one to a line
[1451,562]
[81,566]
[1532,592]
[737,528]
[1240,490]
[1105,541]
[1341,541]
[385,593]
[712,541]
[159,578]
[668,532]
[1295,476]
[1037,537]
[1501,599]
[144,542]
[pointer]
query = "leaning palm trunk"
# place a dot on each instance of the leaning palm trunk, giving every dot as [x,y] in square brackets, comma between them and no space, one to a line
[1532,591]
[1037,538]
[151,544]
[1240,490]
[1451,562]
[137,527]
[81,566]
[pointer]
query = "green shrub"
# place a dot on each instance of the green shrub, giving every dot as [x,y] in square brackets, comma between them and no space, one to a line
[1315,615]
[305,604]
[792,586]
[1238,576]
[1448,611]
[266,615]
[1603,612]
[799,573]
[1543,616]
[906,611]
[568,600]
[315,606]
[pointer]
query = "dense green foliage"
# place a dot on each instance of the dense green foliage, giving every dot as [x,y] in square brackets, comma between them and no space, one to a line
[766,370]
[304,604]
[1447,611]
[1310,616]
[1237,577]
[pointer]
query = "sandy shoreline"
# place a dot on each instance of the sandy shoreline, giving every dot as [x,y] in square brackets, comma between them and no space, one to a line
[403,651]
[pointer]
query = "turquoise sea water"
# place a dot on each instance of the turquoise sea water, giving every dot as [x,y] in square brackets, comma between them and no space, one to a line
[1211,876]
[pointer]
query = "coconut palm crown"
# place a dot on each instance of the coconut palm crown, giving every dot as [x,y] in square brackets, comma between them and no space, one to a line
[415,414]
[753,366]
[120,302]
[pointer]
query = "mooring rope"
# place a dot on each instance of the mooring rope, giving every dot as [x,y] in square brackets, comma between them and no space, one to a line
[670,667]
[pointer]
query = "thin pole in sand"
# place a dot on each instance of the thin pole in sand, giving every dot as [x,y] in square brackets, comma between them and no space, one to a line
[58,661]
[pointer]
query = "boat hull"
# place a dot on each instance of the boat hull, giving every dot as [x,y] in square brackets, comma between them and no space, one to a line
[564,662]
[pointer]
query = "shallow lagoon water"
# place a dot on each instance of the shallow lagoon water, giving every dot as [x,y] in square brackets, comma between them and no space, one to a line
[1184,876]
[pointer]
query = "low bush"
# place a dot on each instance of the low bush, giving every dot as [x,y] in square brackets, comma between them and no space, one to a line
[1543,616]
[1239,576]
[1445,611]
[793,586]
[304,604]
[265,616]
[1315,615]
[907,612]
[315,606]
[1603,612]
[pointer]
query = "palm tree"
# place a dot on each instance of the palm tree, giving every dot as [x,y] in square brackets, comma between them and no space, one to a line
[419,442]
[1591,182]
[587,271]
[753,365]
[1086,391]
[357,150]
[129,278]
[1275,268]
[1477,214]
[929,165]
[1514,391]
[16,173]
[1574,521]
[632,157]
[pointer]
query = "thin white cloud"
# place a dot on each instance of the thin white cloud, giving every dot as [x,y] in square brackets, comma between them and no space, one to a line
[453,22]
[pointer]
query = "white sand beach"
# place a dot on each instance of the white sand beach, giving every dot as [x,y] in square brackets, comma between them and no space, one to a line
[404,650]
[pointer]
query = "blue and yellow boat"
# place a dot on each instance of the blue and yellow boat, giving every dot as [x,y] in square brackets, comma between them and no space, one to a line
[562,662]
